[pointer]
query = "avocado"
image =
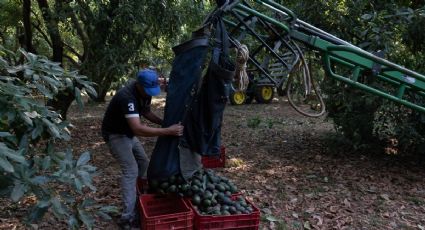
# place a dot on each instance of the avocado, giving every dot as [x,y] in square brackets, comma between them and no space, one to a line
[206,203]
[232,209]
[225,213]
[164,185]
[233,189]
[220,187]
[172,179]
[210,186]
[196,199]
[207,195]
[172,189]
[184,187]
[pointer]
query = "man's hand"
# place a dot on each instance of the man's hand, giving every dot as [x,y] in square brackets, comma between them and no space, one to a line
[176,130]
[140,129]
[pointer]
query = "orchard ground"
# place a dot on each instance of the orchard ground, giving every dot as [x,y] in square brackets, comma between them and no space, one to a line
[295,169]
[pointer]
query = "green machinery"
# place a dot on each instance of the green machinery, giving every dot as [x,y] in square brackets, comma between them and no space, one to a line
[276,39]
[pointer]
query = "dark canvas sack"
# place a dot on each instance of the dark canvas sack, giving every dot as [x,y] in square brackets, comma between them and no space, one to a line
[196,102]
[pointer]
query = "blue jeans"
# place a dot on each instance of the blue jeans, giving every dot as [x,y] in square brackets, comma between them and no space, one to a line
[134,162]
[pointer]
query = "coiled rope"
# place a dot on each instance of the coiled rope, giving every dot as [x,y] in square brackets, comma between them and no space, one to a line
[241,76]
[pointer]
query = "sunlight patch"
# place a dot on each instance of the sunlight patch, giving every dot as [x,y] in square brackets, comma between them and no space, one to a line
[236,162]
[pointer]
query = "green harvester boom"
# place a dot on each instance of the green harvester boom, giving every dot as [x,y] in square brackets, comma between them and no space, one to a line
[336,53]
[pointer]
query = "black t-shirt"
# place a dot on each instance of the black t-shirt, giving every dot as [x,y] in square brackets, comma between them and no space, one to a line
[126,103]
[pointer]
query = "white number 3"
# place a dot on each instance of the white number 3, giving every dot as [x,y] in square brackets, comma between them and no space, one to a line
[131,107]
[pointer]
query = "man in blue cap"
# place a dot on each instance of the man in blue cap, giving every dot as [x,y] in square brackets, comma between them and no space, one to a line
[120,126]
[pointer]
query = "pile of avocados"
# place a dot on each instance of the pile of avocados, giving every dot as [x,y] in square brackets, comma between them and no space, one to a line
[209,193]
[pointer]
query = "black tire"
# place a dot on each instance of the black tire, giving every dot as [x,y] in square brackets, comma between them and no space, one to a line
[237,98]
[264,94]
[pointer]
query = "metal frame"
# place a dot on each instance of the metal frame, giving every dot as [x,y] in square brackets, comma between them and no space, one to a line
[335,52]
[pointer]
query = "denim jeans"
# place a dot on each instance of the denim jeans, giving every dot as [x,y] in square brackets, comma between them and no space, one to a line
[134,162]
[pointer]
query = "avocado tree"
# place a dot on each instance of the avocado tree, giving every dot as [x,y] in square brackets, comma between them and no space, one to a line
[391,27]
[30,164]
[105,40]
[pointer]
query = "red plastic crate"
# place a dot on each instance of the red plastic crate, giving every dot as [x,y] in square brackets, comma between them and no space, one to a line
[240,221]
[164,213]
[215,161]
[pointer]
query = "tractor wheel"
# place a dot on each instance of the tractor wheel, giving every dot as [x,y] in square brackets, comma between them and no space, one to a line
[237,98]
[264,94]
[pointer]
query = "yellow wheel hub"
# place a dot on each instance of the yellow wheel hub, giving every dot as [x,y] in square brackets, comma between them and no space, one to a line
[239,97]
[266,92]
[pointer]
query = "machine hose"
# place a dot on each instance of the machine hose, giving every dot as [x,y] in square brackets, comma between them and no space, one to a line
[307,82]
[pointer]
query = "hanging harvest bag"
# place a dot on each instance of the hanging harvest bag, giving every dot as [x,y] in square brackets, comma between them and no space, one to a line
[202,124]
[196,102]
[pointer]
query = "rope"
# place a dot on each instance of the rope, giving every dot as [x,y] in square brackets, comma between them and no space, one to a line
[241,76]
[308,84]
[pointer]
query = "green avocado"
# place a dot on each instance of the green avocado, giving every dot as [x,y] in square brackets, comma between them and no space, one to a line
[164,185]
[196,199]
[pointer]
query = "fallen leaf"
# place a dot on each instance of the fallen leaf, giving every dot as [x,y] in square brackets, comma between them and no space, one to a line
[385,197]
[266,211]
[310,210]
[319,220]
[272,219]
[307,225]
[347,203]
[333,209]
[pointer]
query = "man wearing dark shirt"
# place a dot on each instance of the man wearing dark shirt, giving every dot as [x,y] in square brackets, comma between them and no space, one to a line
[120,126]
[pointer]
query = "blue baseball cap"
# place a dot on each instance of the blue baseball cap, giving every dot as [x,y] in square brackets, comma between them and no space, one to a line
[148,78]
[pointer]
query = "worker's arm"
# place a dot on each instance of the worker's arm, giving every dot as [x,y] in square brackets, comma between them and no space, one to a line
[140,129]
[152,117]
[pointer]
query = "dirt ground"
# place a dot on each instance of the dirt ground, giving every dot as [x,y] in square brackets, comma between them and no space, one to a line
[293,168]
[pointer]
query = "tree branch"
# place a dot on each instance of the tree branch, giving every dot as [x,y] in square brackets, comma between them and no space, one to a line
[83,35]
[72,50]
[85,8]
[72,60]
[44,35]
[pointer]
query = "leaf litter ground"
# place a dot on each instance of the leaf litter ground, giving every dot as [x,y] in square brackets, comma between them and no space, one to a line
[292,167]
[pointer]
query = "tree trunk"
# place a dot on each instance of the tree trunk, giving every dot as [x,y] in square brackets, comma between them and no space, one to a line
[63,99]
[53,30]
[26,18]
[101,92]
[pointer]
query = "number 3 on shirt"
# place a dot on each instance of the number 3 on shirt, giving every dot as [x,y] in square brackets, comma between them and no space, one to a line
[131,107]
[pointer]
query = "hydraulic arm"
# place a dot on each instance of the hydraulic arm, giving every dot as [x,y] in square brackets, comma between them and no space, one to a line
[277,34]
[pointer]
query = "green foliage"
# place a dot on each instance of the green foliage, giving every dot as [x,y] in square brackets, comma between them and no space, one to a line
[106,40]
[414,36]
[10,15]
[29,161]
[254,122]
[121,36]
[364,119]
